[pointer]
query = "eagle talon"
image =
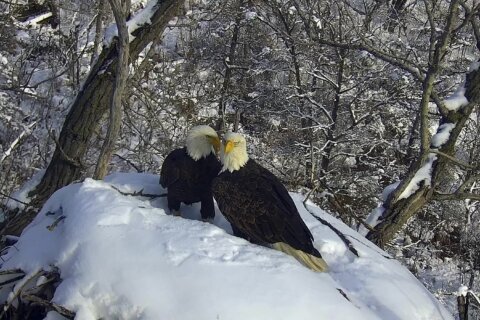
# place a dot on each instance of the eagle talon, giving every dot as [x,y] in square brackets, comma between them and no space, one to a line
[208,220]
[176,213]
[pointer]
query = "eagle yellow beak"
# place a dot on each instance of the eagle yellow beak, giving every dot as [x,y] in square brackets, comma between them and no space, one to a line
[215,141]
[229,146]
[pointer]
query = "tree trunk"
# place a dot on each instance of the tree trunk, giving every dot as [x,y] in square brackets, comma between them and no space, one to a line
[462,304]
[230,59]
[330,137]
[86,113]
[399,209]
[121,76]
[98,30]
[400,206]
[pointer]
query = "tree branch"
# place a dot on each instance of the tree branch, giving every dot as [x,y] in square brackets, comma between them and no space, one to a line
[455,196]
[452,159]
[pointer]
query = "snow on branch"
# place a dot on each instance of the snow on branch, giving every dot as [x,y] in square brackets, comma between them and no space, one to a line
[138,20]
[442,135]
[457,99]
[424,174]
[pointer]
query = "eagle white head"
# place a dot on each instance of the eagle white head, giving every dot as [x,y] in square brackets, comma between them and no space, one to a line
[201,141]
[233,153]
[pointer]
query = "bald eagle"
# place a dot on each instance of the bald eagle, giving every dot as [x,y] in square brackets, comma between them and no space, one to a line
[258,206]
[187,173]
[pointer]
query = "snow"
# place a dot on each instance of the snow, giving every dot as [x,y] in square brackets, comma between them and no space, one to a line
[424,174]
[375,215]
[456,100]
[474,66]
[249,15]
[22,194]
[123,257]
[372,220]
[442,135]
[462,291]
[318,22]
[138,20]
[389,189]
[34,21]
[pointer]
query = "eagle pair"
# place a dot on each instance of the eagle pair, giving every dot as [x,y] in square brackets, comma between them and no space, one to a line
[253,200]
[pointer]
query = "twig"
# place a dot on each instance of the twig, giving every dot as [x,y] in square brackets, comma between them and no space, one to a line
[455,196]
[61,310]
[309,194]
[12,198]
[16,141]
[11,280]
[16,292]
[55,223]
[11,271]
[351,214]
[129,162]
[139,193]
[370,247]
[472,294]
[33,290]
[452,159]
[344,294]
[347,242]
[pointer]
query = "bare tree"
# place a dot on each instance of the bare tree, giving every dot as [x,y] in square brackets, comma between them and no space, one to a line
[86,114]
[413,193]
[115,118]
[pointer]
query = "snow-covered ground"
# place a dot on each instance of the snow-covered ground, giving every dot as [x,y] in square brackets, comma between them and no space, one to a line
[123,257]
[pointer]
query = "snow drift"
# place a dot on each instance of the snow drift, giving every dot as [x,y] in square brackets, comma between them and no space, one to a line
[122,257]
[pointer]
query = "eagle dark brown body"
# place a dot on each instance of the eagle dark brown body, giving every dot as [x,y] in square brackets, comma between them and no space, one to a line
[189,181]
[258,205]
[260,209]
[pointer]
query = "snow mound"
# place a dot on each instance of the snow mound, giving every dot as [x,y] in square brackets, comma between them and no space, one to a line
[123,257]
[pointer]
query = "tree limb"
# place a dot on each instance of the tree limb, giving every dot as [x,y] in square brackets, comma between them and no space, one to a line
[455,196]
[452,159]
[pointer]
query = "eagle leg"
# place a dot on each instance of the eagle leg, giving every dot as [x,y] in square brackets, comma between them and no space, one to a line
[207,209]
[176,213]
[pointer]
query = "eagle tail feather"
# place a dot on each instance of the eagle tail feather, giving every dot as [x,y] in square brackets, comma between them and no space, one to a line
[316,264]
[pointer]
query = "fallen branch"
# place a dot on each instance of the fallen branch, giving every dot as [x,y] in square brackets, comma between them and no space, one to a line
[51,305]
[139,193]
[347,242]
[12,280]
[351,214]
[17,291]
[55,223]
[11,271]
[28,296]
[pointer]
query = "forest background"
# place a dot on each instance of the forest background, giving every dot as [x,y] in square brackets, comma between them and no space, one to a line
[340,99]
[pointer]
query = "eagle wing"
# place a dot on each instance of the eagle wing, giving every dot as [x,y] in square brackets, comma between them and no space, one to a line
[258,205]
[170,172]
[282,213]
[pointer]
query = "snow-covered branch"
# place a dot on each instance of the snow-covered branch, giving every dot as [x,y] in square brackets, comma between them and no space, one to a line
[15,142]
